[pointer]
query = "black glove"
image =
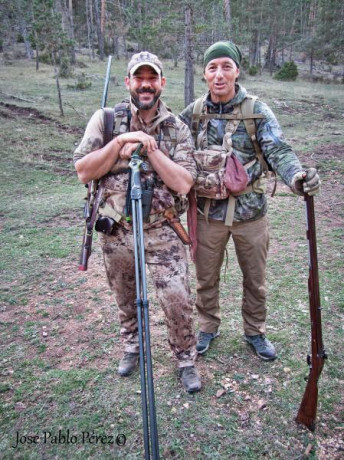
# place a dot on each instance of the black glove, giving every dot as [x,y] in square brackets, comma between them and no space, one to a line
[307,181]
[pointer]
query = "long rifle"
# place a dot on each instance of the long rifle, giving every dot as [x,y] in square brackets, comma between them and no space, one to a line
[308,407]
[94,193]
[150,430]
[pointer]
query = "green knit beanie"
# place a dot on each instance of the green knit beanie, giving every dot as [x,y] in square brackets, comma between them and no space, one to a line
[222,49]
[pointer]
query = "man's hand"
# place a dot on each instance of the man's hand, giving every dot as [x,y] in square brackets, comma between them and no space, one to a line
[127,150]
[307,181]
[136,137]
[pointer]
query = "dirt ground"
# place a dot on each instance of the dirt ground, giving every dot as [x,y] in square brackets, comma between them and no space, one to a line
[62,328]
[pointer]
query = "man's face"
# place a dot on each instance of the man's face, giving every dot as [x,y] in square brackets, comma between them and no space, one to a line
[221,74]
[145,87]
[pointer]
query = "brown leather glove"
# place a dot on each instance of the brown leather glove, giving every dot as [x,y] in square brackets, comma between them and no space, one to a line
[307,181]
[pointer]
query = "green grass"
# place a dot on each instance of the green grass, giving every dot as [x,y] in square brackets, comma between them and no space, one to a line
[59,333]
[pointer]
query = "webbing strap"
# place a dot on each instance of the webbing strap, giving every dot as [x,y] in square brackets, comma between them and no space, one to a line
[227,116]
[258,186]
[246,108]
[108,124]
[197,111]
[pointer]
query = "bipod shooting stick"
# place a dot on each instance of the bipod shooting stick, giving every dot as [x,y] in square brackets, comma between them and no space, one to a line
[150,430]
[308,407]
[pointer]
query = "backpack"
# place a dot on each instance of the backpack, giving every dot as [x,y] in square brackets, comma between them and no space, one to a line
[211,182]
[117,121]
[212,165]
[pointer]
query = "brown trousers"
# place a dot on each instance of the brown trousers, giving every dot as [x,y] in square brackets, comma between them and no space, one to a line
[251,241]
[166,259]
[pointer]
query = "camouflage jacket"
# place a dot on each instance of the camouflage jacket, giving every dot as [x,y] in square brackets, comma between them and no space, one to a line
[174,140]
[276,151]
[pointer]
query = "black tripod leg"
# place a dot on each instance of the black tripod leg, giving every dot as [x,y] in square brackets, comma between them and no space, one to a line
[140,333]
[145,303]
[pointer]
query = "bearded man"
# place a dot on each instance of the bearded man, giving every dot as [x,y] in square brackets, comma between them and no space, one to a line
[169,172]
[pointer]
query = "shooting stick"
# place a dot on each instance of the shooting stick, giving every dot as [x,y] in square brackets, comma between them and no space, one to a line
[150,430]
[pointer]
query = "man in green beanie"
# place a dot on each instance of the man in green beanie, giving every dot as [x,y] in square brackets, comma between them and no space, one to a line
[229,123]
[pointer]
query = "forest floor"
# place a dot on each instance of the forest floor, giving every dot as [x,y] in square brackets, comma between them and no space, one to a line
[60,394]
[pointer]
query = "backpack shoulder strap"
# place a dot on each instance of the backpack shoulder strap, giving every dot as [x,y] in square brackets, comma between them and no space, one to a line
[122,115]
[247,107]
[196,113]
[109,115]
[168,127]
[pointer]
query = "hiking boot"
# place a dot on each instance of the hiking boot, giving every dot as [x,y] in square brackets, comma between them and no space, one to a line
[190,378]
[204,339]
[128,363]
[262,346]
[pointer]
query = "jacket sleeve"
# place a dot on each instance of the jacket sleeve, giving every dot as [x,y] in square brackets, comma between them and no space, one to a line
[276,150]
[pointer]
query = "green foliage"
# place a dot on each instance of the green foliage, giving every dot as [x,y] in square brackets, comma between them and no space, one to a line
[288,72]
[252,70]
[82,83]
[65,67]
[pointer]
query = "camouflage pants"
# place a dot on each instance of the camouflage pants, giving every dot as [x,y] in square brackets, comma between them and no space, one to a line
[166,259]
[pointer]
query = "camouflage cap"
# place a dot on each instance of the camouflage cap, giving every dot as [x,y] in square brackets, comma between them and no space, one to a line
[144,58]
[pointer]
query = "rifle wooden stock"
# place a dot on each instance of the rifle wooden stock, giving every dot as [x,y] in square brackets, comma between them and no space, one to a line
[308,407]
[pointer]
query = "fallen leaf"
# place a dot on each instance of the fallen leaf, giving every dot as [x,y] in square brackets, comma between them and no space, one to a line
[220,393]
[261,404]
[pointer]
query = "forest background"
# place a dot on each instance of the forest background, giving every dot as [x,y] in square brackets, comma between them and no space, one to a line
[270,32]
[59,336]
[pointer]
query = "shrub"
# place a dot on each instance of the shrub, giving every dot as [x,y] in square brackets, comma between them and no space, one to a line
[253,70]
[288,72]
[81,83]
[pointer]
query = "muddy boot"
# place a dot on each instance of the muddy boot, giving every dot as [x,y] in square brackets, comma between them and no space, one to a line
[190,378]
[128,364]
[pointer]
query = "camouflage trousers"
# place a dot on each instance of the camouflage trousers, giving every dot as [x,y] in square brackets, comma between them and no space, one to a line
[166,259]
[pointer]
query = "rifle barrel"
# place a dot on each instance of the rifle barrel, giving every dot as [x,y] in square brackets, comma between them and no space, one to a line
[107,80]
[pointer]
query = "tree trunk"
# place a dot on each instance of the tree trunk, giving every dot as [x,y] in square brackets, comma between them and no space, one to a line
[88,6]
[189,75]
[28,48]
[99,31]
[228,17]
[311,64]
[102,18]
[57,84]
[116,46]
[71,31]
[254,48]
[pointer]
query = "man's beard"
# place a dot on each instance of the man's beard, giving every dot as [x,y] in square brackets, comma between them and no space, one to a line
[144,105]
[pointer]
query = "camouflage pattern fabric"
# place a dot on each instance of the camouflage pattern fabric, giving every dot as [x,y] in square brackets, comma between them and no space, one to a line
[179,150]
[276,152]
[211,166]
[165,253]
[166,259]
